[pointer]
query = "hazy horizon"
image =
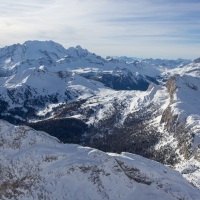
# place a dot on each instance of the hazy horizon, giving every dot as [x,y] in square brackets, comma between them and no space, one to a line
[148,29]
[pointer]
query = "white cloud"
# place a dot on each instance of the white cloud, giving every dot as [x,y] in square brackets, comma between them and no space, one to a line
[107,27]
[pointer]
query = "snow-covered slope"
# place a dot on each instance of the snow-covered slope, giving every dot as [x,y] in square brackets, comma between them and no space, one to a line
[35,89]
[53,57]
[31,50]
[36,166]
[181,119]
[36,75]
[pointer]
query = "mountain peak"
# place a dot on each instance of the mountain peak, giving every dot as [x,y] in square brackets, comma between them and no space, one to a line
[79,47]
[77,51]
[32,50]
[47,45]
[81,50]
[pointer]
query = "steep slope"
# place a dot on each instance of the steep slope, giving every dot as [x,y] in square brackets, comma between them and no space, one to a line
[36,166]
[181,120]
[24,94]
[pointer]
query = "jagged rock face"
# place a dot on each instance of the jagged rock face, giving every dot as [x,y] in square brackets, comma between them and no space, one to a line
[171,87]
[183,91]
[181,119]
[169,120]
[36,166]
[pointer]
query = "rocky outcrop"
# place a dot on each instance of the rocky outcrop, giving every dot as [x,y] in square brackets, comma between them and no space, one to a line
[172,121]
[171,87]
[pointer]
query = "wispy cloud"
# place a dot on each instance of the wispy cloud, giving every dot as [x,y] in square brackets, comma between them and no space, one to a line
[158,28]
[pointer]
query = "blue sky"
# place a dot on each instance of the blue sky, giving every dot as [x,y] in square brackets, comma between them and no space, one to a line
[146,28]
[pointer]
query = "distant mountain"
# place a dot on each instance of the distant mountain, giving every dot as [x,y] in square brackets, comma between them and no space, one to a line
[53,57]
[154,62]
[167,63]
[126,59]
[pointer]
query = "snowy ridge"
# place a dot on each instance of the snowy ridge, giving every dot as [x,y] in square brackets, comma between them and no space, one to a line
[55,58]
[30,74]
[170,64]
[185,97]
[38,166]
[31,50]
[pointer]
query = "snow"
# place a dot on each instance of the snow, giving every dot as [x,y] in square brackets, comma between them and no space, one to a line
[36,65]
[48,109]
[187,97]
[46,69]
[61,171]
[190,169]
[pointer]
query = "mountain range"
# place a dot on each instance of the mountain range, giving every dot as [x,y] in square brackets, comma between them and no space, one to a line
[148,107]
